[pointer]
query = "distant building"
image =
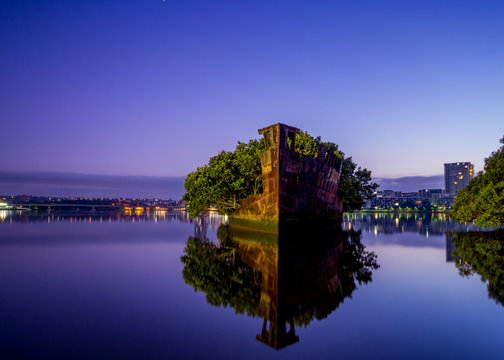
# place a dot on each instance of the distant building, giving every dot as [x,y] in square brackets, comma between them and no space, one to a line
[457,176]
[389,193]
[4,206]
[430,193]
[387,199]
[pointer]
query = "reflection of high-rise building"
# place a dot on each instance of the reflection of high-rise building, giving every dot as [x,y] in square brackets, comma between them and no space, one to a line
[457,176]
[450,247]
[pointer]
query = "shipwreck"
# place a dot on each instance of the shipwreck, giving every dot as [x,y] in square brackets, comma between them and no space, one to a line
[295,186]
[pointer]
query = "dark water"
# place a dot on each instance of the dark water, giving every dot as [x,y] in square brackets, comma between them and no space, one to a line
[384,286]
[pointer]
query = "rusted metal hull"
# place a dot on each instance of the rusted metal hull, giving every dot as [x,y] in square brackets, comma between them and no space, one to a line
[296,186]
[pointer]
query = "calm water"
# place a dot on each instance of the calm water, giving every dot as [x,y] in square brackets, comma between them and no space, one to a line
[386,287]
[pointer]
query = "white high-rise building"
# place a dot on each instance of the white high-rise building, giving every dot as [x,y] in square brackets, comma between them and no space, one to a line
[457,176]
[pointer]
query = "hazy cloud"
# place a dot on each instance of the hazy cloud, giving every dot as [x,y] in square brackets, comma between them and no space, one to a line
[411,183]
[73,184]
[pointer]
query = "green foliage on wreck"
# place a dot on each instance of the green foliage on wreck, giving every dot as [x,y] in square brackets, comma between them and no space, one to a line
[231,176]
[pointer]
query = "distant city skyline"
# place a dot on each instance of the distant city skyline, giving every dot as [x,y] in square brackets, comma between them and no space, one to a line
[155,88]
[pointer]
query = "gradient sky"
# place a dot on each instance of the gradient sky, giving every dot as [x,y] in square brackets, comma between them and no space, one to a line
[154,87]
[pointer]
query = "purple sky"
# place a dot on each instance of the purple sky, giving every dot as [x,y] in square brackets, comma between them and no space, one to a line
[154,87]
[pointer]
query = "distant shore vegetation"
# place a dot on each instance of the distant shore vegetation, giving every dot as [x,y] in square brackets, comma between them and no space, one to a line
[429,209]
[482,201]
[231,176]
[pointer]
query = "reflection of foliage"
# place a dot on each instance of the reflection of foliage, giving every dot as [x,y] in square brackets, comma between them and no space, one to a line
[354,266]
[217,271]
[304,292]
[482,253]
[356,262]
[482,201]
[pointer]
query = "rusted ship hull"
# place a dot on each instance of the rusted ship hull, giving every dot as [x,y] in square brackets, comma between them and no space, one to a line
[296,187]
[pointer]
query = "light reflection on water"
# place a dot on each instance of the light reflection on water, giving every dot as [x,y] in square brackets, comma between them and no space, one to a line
[107,286]
[212,220]
[427,224]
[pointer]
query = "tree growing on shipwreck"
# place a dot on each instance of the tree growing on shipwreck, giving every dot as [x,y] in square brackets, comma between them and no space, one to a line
[231,176]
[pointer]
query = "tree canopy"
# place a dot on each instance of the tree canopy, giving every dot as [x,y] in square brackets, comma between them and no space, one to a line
[231,176]
[228,177]
[482,201]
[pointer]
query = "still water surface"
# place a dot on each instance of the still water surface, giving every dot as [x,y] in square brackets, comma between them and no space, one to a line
[388,286]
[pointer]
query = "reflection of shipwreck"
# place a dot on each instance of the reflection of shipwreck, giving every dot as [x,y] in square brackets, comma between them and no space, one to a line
[278,276]
[298,283]
[295,185]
